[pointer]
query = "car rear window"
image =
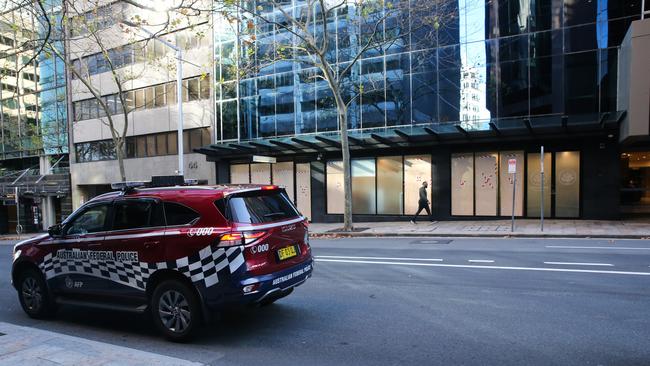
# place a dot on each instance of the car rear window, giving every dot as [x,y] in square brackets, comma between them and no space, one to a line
[258,207]
[177,214]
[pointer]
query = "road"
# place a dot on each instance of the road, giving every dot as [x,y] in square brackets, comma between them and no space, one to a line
[389,301]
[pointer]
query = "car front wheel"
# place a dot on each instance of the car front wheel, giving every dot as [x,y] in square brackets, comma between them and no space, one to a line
[33,295]
[175,310]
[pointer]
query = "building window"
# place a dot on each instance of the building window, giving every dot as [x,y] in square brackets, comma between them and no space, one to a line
[486,186]
[239,174]
[158,144]
[390,194]
[534,186]
[150,97]
[193,89]
[172,143]
[141,146]
[170,89]
[261,173]
[417,169]
[567,184]
[159,95]
[363,186]
[128,54]
[462,184]
[161,144]
[385,185]
[335,197]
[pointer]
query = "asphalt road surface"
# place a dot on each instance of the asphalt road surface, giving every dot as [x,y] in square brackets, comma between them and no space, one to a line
[389,301]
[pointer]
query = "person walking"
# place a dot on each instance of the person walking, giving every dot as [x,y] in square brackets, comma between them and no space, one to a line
[423,202]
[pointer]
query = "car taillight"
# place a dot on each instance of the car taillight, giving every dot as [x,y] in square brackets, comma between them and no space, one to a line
[240,238]
[253,236]
[231,239]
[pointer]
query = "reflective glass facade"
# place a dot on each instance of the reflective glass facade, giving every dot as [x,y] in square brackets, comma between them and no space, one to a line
[33,100]
[490,61]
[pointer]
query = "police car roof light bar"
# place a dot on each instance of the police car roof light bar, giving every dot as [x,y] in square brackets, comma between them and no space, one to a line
[127,187]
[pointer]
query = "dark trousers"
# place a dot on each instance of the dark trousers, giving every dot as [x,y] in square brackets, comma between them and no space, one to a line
[422,206]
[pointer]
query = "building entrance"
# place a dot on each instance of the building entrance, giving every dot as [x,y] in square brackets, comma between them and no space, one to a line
[635,184]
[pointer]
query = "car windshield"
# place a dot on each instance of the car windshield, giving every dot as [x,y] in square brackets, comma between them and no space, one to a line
[261,206]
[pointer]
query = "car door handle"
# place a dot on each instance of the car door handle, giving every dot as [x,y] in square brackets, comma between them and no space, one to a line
[94,244]
[150,244]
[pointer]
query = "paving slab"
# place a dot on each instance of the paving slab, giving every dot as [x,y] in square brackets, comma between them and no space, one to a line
[31,346]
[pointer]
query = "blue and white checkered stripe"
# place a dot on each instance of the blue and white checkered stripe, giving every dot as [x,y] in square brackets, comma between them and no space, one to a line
[204,266]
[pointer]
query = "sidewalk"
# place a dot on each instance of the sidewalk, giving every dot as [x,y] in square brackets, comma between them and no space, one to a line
[15,237]
[630,229]
[29,346]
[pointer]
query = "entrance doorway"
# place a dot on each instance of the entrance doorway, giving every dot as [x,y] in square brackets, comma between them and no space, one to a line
[635,184]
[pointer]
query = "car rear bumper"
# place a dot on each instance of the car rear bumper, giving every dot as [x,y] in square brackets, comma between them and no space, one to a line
[256,289]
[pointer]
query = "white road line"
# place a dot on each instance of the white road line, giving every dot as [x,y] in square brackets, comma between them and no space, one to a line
[540,269]
[480,261]
[579,247]
[580,264]
[380,258]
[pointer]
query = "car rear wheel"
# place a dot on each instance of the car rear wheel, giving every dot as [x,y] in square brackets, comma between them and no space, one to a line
[33,295]
[175,310]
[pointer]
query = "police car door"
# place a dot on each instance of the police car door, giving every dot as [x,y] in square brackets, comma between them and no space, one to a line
[82,236]
[138,227]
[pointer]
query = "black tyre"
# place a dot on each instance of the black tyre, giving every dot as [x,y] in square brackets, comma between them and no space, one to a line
[33,295]
[175,310]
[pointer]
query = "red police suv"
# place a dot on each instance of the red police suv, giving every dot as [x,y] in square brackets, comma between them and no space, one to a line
[178,252]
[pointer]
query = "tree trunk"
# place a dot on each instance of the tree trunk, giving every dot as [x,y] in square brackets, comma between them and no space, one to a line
[119,151]
[342,110]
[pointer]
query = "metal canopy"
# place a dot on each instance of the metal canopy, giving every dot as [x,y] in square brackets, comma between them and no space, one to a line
[382,139]
[328,141]
[505,129]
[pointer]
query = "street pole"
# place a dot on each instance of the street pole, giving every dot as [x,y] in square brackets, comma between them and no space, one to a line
[19,228]
[179,97]
[514,187]
[541,160]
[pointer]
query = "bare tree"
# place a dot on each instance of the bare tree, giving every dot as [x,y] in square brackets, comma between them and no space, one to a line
[304,33]
[90,37]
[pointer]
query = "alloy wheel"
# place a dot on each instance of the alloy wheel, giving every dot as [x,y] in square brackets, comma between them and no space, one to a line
[32,294]
[174,311]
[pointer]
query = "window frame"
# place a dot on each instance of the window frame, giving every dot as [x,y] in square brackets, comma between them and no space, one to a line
[138,199]
[107,223]
[191,223]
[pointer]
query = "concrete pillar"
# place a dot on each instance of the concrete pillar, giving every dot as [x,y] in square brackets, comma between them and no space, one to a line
[48,212]
[44,165]
[47,203]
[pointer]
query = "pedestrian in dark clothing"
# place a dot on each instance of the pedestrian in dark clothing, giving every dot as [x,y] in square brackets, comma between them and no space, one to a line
[423,202]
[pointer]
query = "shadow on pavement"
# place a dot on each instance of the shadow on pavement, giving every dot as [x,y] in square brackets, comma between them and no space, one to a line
[229,327]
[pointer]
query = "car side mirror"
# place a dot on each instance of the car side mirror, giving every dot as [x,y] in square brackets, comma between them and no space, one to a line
[54,230]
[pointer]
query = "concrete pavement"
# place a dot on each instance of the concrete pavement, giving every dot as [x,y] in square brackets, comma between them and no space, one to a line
[31,346]
[631,229]
[524,228]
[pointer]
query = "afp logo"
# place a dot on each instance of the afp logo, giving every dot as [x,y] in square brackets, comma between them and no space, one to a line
[200,231]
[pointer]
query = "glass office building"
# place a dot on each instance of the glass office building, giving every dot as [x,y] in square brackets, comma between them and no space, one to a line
[33,118]
[449,104]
